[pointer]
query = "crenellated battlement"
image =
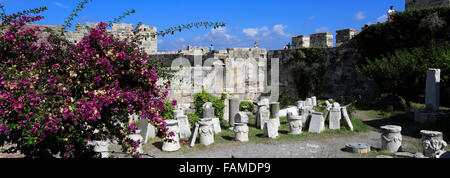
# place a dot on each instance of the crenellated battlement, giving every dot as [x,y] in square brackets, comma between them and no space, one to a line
[323,40]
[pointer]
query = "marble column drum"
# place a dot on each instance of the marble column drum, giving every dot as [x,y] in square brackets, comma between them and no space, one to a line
[173,142]
[295,124]
[206,131]
[391,138]
[241,132]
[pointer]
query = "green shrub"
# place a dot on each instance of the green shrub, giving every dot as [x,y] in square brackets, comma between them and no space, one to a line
[204,97]
[413,28]
[247,106]
[192,118]
[168,112]
[403,73]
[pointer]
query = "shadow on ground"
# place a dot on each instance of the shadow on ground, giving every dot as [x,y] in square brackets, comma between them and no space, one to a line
[409,127]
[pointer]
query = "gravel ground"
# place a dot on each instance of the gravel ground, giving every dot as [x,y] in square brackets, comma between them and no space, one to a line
[318,148]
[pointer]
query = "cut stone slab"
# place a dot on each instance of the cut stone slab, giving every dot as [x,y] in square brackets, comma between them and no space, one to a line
[177,113]
[335,118]
[241,117]
[147,130]
[432,92]
[264,117]
[317,123]
[216,125]
[347,118]
[194,135]
[314,101]
[309,102]
[185,127]
[208,110]
[226,110]
[143,127]
[271,128]
[360,148]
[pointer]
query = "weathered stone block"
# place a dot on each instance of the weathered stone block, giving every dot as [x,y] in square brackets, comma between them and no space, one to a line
[317,123]
[185,127]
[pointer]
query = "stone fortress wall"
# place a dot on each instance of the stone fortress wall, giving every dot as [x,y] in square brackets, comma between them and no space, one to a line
[149,45]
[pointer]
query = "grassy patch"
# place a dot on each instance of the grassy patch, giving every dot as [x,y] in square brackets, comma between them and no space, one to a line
[256,135]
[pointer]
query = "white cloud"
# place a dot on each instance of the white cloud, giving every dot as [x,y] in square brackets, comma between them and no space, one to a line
[322,29]
[312,18]
[256,33]
[360,16]
[265,33]
[160,41]
[279,29]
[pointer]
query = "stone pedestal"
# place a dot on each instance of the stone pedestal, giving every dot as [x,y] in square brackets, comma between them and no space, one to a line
[241,117]
[432,143]
[432,92]
[208,110]
[173,142]
[271,129]
[234,109]
[295,124]
[317,123]
[226,110]
[194,135]
[335,118]
[274,109]
[309,102]
[263,117]
[216,125]
[391,138]
[206,131]
[184,126]
[314,101]
[241,132]
[147,130]
[137,137]
[101,147]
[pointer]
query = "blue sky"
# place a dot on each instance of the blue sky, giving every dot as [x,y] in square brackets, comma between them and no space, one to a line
[270,22]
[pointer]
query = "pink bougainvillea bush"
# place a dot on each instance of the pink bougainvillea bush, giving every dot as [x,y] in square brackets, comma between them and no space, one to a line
[56,96]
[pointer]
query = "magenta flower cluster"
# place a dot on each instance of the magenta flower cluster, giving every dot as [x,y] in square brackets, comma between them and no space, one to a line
[55,90]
